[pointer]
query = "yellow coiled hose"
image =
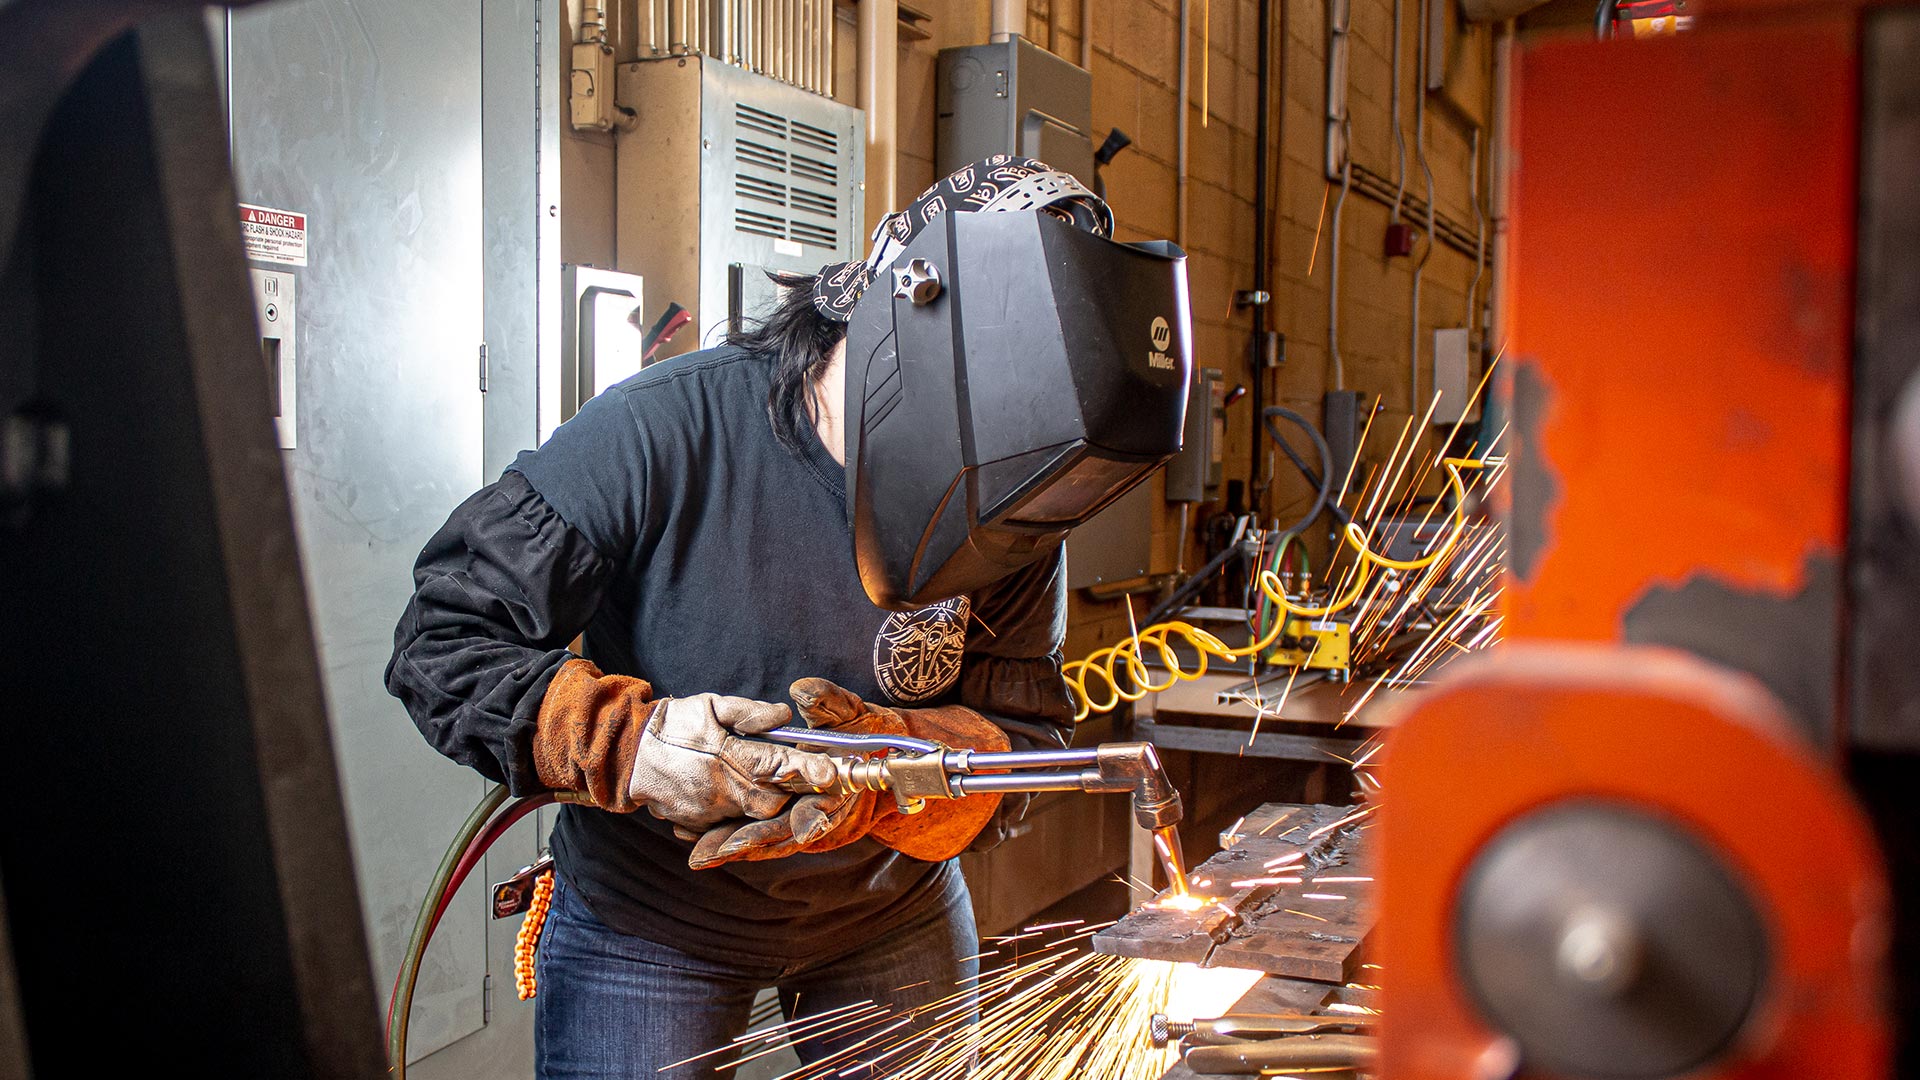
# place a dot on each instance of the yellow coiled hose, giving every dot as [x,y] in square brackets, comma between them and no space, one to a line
[1117,673]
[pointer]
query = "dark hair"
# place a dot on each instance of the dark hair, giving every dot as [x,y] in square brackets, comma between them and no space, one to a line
[798,341]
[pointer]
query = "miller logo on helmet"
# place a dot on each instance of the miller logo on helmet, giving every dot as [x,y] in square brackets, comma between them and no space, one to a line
[1162,334]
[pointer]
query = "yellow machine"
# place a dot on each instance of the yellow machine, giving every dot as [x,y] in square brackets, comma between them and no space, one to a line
[1322,643]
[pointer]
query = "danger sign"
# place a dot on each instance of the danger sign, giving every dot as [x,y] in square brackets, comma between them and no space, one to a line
[276,236]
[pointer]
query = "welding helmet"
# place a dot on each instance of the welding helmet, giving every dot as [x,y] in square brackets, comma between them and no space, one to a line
[1011,371]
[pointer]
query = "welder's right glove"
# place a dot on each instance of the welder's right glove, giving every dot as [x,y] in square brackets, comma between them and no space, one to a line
[606,737]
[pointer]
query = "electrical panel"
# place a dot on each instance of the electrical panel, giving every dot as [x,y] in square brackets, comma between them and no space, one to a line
[1013,97]
[1195,472]
[380,346]
[728,175]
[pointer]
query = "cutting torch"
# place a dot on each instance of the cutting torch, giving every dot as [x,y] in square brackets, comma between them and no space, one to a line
[915,770]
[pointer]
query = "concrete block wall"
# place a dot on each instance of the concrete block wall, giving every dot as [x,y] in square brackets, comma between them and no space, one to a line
[1135,62]
[1135,75]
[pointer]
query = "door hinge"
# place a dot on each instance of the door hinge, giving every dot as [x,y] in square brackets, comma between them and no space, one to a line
[483,367]
[486,998]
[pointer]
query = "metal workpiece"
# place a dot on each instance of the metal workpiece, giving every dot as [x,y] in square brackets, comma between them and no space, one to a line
[1293,897]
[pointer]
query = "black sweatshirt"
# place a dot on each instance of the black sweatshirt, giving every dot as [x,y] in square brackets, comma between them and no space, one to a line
[668,524]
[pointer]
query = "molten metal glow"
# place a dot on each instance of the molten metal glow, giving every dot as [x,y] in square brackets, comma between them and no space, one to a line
[1194,992]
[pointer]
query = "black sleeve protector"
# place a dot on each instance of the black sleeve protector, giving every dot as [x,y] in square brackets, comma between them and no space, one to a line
[499,592]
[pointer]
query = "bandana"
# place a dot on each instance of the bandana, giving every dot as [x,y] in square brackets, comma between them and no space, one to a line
[1001,182]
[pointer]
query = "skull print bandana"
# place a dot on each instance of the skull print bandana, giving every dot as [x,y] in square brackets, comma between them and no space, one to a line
[1001,182]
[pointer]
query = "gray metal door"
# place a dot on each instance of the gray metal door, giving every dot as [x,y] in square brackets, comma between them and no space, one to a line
[361,121]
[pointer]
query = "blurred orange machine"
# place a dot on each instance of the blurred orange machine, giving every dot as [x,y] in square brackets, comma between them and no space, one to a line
[1639,842]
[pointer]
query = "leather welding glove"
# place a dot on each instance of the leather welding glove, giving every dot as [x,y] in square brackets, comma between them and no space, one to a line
[606,737]
[938,832]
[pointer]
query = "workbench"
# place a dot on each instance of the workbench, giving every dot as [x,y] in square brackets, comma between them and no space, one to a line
[1213,714]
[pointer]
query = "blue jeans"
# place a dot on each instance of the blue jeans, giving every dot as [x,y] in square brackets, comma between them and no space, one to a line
[612,1006]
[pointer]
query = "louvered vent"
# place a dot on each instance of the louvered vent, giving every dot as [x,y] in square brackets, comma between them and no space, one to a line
[786,182]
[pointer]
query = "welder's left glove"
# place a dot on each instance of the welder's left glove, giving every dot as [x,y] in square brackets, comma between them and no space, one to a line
[824,822]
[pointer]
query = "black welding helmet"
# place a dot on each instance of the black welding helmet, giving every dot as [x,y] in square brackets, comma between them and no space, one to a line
[1009,375]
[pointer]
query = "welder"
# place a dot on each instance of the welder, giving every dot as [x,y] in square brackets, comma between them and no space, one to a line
[739,527]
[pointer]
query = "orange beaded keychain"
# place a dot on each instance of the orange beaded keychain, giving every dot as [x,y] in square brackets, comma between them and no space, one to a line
[528,940]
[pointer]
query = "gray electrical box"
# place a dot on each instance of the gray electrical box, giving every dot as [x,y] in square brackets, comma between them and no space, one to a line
[1195,472]
[1453,377]
[1013,97]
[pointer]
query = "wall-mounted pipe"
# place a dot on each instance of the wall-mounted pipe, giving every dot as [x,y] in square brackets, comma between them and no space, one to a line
[1007,18]
[1399,132]
[1499,191]
[1334,145]
[880,97]
[1086,32]
[1180,126]
[1257,353]
[1339,166]
[1333,279]
[1422,59]
[1480,246]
